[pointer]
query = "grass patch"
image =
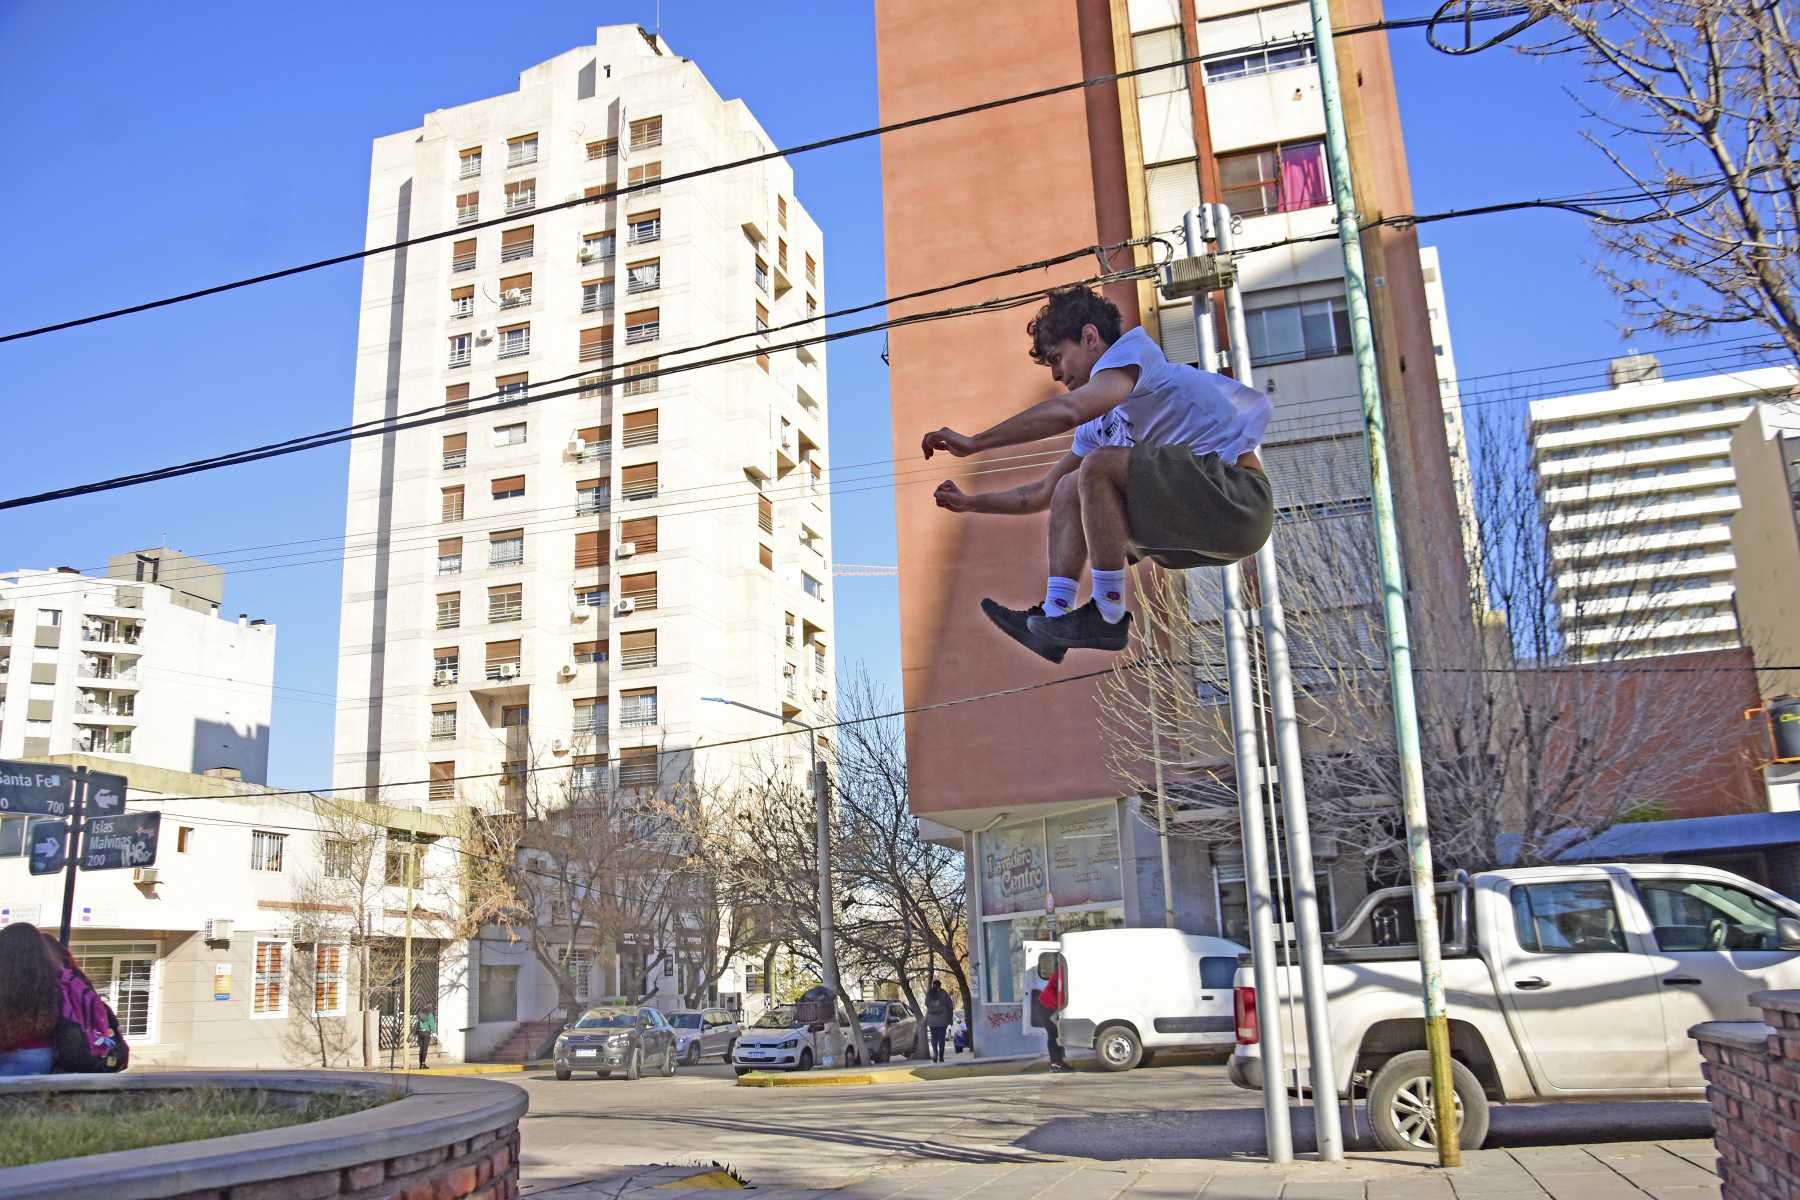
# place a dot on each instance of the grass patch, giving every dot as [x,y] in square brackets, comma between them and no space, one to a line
[45,1126]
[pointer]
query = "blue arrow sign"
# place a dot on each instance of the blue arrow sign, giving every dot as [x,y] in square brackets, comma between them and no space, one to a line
[105,794]
[47,841]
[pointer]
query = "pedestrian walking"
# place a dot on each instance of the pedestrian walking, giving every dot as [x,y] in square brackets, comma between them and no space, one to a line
[425,1025]
[30,1001]
[939,1010]
[1048,1001]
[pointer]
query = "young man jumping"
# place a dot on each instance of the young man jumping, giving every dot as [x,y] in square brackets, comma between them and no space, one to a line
[1163,467]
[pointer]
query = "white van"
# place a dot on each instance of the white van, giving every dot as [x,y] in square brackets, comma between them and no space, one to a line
[1131,992]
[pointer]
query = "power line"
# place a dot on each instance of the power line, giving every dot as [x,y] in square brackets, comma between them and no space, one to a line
[713,169]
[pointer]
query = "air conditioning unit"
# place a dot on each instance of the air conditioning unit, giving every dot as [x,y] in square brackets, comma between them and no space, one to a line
[625,607]
[442,678]
[580,612]
[484,335]
[559,746]
[144,875]
[513,296]
[566,671]
[587,255]
[218,929]
[626,549]
[576,448]
[509,670]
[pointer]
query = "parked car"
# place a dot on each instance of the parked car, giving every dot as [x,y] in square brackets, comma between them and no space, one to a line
[1131,992]
[888,1028]
[608,1039]
[1563,983]
[703,1032]
[779,1041]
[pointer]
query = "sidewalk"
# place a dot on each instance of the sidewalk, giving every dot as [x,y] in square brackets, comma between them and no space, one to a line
[1619,1171]
[924,1071]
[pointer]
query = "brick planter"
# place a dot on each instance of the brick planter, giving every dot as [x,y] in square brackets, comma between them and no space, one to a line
[444,1139]
[1753,1082]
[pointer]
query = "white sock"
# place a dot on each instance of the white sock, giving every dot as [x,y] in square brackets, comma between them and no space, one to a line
[1109,594]
[1059,595]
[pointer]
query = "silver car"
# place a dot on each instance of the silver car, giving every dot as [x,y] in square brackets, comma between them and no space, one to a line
[888,1028]
[703,1033]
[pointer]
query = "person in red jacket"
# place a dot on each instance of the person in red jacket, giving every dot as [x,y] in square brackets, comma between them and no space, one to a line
[1051,999]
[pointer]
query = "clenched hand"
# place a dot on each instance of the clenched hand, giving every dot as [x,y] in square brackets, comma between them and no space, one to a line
[949,496]
[947,440]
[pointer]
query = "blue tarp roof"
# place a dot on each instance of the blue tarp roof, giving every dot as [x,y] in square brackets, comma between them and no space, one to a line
[1690,835]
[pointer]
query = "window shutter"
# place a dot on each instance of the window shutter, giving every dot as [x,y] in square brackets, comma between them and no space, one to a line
[509,483]
[463,293]
[456,393]
[455,441]
[1173,189]
[590,548]
[1178,333]
[641,533]
[522,282]
[501,651]
[512,237]
[643,474]
[463,248]
[448,546]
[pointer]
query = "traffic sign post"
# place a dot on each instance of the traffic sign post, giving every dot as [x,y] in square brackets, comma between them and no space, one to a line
[73,854]
[127,840]
[109,840]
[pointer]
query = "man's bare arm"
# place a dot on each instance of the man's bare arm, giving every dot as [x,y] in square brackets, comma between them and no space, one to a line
[1045,419]
[1031,498]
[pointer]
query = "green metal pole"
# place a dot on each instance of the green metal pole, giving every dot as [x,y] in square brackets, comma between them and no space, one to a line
[1393,596]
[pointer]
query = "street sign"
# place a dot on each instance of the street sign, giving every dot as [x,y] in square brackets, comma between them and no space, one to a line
[105,794]
[127,840]
[47,841]
[38,789]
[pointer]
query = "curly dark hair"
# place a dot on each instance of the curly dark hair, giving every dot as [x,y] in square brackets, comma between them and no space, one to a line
[1063,317]
[30,987]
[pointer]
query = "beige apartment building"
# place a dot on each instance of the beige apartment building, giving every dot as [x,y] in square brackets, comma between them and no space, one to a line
[137,665]
[553,586]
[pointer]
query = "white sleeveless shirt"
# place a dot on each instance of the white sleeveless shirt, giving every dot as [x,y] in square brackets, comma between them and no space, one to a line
[1175,404]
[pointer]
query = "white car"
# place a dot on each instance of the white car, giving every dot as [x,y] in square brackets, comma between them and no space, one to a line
[779,1042]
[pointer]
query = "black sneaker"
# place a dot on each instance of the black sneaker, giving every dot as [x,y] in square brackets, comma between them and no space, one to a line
[1013,623]
[1080,629]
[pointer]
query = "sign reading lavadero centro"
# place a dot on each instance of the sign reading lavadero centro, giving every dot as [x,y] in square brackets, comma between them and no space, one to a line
[39,790]
[127,840]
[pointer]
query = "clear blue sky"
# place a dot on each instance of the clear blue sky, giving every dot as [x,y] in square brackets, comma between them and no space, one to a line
[165,147]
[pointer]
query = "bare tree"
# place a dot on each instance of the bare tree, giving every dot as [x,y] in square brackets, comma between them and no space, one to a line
[1541,726]
[1702,118]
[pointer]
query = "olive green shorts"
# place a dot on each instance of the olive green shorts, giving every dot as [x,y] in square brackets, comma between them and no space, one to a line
[1194,510]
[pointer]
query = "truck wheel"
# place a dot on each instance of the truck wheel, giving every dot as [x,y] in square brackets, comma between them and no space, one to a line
[635,1069]
[1118,1047]
[1400,1104]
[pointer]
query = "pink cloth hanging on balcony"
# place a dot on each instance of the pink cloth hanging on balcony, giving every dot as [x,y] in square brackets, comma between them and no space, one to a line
[1303,182]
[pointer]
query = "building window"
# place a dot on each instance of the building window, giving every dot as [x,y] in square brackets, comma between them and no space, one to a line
[459,350]
[812,277]
[639,590]
[813,587]
[328,979]
[643,326]
[468,208]
[521,151]
[456,399]
[596,344]
[765,514]
[265,850]
[638,482]
[469,164]
[515,291]
[504,660]
[1260,62]
[639,428]
[516,244]
[452,505]
[598,596]
[766,557]
[521,196]
[638,533]
[456,451]
[637,764]
[449,610]
[645,227]
[588,711]
[184,840]
[637,649]
[604,148]
[1293,332]
[641,277]
[641,377]
[462,303]
[509,487]
[338,858]
[462,255]
[269,993]
[506,603]
[515,340]
[506,548]
[497,996]
[596,295]
[1153,50]
[591,497]
[1284,178]
[441,788]
[446,665]
[646,133]
[590,548]
[443,722]
[598,247]
[449,560]
[781,211]
[762,274]
[509,435]
[646,178]
[590,652]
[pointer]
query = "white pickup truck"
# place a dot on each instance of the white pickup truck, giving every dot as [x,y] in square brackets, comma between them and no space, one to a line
[1563,983]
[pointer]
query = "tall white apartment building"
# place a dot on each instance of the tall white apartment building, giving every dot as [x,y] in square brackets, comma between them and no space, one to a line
[1638,491]
[1456,437]
[137,666]
[554,580]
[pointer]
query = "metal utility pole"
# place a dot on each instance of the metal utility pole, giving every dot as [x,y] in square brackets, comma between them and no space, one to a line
[1393,595]
[412,841]
[1259,896]
[1302,885]
[820,782]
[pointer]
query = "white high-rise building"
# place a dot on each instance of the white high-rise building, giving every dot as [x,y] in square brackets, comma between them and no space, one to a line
[137,666]
[559,584]
[1638,491]
[1455,434]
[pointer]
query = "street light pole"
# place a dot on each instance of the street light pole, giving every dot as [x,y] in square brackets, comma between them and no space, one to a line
[821,790]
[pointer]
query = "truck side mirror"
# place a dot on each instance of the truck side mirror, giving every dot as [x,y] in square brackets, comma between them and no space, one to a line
[1787,933]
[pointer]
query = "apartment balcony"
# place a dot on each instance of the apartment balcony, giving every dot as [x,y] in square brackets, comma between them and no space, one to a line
[506,613]
[443,733]
[637,716]
[783,285]
[449,564]
[516,252]
[102,740]
[637,660]
[521,156]
[111,673]
[643,335]
[108,633]
[501,678]
[470,168]
[456,460]
[460,358]
[587,504]
[468,214]
[515,298]
[462,310]
[462,262]
[644,232]
[515,347]
[91,713]
[520,202]
[598,304]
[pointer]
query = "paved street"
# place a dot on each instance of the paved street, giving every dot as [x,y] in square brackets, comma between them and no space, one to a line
[1162,1133]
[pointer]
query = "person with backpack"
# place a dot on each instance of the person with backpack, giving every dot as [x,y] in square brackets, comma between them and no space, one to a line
[30,1001]
[87,1038]
[938,1012]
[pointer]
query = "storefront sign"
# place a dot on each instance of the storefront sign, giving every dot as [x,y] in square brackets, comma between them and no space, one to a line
[1012,869]
[1084,857]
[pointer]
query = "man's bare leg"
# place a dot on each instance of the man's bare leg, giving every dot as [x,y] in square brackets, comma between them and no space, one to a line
[1102,623]
[1068,540]
[1068,555]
